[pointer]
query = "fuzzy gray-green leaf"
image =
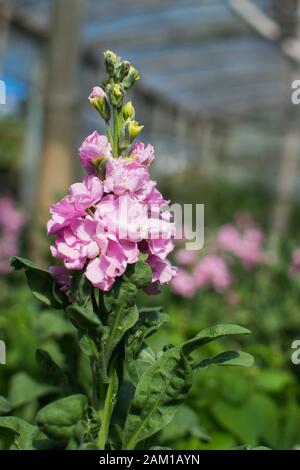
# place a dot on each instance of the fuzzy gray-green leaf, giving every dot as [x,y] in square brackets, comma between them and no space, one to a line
[161,389]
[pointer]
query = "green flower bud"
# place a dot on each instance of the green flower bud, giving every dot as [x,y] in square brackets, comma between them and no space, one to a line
[134,129]
[111,60]
[129,131]
[98,99]
[130,78]
[128,111]
[116,95]
[100,165]
[122,70]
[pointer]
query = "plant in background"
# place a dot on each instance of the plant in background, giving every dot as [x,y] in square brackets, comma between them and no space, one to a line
[11,223]
[112,234]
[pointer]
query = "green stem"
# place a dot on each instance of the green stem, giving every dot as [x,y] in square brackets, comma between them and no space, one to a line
[109,133]
[106,411]
[118,116]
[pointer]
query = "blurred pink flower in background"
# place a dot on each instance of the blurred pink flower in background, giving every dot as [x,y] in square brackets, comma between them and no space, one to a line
[212,271]
[11,223]
[186,257]
[244,244]
[184,284]
[294,268]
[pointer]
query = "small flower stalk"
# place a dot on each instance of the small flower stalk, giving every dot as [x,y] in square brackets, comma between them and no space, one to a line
[112,235]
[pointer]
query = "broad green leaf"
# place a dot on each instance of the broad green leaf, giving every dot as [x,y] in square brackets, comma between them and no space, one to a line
[150,320]
[254,421]
[140,274]
[228,358]
[161,389]
[5,406]
[52,324]
[122,314]
[212,333]
[274,381]
[23,389]
[83,318]
[185,423]
[137,364]
[58,419]
[87,344]
[20,432]
[41,283]
[46,362]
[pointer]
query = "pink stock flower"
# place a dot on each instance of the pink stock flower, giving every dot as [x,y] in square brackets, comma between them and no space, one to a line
[123,176]
[183,284]
[82,197]
[162,271]
[94,147]
[102,227]
[142,155]
[212,271]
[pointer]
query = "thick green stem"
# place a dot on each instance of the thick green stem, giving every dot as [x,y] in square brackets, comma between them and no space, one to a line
[106,411]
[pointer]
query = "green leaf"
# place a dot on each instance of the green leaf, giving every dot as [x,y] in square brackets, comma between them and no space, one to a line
[23,389]
[161,389]
[274,381]
[41,283]
[83,318]
[46,362]
[150,320]
[52,324]
[58,419]
[122,314]
[137,364]
[212,333]
[228,358]
[5,406]
[140,274]
[18,431]
[254,421]
[87,344]
[184,424]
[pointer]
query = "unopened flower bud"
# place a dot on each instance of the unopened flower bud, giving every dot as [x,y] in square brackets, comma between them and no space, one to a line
[100,165]
[128,111]
[98,99]
[111,60]
[122,70]
[130,78]
[134,129]
[116,95]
